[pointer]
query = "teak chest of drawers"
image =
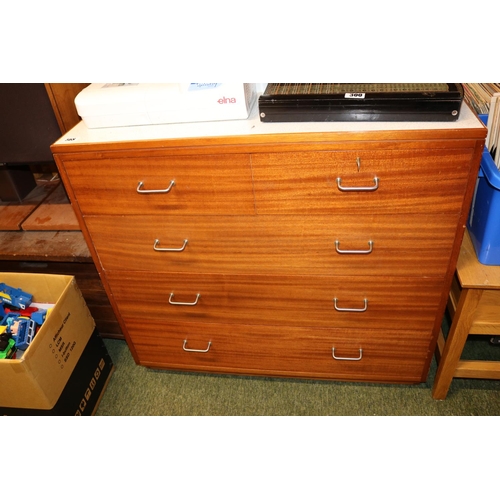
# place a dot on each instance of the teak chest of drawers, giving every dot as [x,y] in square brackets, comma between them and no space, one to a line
[296,250]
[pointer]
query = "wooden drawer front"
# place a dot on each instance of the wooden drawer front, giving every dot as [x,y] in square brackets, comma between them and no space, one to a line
[408,181]
[276,244]
[297,352]
[203,185]
[278,300]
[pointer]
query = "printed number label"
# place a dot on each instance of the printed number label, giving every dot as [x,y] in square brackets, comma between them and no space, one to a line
[355,95]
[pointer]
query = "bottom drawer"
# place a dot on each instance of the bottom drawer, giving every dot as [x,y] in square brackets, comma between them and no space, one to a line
[342,354]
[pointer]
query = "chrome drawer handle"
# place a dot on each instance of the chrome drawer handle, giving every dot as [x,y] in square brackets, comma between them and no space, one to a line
[346,309]
[347,359]
[370,249]
[195,350]
[149,191]
[159,249]
[170,301]
[358,188]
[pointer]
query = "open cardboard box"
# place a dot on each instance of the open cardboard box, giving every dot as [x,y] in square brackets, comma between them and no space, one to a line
[37,380]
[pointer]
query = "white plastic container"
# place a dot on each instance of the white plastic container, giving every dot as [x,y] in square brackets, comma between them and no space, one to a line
[128,104]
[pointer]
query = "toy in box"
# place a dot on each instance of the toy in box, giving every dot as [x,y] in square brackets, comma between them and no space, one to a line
[19,322]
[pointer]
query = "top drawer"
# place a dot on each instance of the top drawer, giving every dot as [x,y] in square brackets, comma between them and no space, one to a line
[382,181]
[197,184]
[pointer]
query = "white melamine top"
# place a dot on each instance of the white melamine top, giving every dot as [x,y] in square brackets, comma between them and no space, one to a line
[80,134]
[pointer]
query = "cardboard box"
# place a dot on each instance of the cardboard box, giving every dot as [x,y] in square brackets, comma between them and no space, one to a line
[84,389]
[37,380]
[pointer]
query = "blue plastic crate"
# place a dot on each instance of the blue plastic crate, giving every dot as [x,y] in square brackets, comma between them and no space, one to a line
[484,218]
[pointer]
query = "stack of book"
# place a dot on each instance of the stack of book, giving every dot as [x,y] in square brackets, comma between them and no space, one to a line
[483,98]
[493,124]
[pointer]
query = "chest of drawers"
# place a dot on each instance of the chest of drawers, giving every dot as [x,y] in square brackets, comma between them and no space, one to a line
[296,250]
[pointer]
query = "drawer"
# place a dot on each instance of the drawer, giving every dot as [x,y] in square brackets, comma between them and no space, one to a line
[410,245]
[202,184]
[385,356]
[392,181]
[388,302]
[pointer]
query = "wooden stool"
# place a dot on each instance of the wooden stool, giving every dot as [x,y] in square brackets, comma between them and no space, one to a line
[42,235]
[474,305]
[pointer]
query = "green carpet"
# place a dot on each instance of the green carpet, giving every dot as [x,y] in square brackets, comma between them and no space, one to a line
[139,391]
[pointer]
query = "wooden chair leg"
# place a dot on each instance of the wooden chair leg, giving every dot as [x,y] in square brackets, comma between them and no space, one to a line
[457,336]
